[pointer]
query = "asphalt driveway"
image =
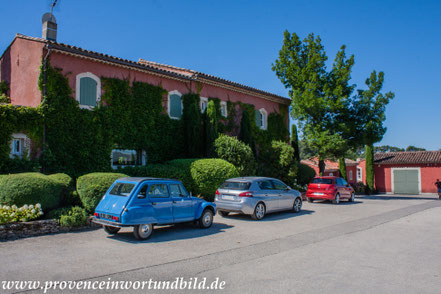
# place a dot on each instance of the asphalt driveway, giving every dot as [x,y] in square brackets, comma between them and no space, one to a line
[377,244]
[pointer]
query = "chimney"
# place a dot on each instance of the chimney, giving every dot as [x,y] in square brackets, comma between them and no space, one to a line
[49,27]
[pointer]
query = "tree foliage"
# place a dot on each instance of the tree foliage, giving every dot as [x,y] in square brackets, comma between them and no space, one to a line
[246,132]
[295,142]
[211,128]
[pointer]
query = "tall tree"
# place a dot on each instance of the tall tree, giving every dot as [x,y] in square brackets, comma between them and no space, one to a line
[211,125]
[246,133]
[368,110]
[295,142]
[192,123]
[320,99]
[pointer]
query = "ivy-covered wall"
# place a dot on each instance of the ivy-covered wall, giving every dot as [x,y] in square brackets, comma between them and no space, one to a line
[129,116]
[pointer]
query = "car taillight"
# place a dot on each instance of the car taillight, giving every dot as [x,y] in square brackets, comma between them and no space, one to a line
[217,192]
[96,214]
[331,187]
[115,218]
[246,194]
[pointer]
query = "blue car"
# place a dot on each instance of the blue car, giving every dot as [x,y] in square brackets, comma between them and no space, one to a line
[142,203]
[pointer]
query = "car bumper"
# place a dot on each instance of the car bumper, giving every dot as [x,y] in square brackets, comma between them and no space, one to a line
[325,196]
[107,223]
[245,206]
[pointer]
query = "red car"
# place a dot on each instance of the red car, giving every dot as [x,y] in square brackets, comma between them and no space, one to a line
[330,188]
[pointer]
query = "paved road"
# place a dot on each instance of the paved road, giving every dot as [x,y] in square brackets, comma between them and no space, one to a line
[377,244]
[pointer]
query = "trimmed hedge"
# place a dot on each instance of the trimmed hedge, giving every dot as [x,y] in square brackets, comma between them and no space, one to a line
[74,217]
[237,153]
[26,188]
[200,176]
[92,187]
[68,187]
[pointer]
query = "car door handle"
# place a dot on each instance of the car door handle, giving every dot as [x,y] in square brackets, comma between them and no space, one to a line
[153,203]
[174,201]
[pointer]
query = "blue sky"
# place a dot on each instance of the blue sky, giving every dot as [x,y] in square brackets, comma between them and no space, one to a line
[238,40]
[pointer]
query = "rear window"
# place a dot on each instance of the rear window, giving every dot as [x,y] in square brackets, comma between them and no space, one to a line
[322,181]
[122,189]
[236,185]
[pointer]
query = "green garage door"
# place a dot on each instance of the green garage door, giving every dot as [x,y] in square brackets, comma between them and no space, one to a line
[406,181]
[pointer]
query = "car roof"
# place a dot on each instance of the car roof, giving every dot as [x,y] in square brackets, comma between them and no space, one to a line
[144,179]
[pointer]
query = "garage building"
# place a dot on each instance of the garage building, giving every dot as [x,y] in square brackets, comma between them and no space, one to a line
[407,172]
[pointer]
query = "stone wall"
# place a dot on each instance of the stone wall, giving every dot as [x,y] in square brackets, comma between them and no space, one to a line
[36,228]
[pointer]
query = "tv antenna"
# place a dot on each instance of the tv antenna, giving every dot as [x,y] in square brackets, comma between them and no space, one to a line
[54,2]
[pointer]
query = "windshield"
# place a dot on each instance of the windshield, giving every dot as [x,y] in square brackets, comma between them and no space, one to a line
[122,189]
[236,185]
[322,181]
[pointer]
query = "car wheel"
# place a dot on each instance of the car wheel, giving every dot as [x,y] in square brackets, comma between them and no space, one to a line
[336,199]
[223,213]
[310,200]
[352,197]
[111,230]
[206,219]
[143,232]
[259,211]
[297,205]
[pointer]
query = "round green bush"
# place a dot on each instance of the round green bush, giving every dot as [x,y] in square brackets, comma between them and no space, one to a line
[92,187]
[74,217]
[305,174]
[31,188]
[68,187]
[57,213]
[237,153]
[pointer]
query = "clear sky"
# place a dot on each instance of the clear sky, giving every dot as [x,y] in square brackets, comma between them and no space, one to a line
[238,40]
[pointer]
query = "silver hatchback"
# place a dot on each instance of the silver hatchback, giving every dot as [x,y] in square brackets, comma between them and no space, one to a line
[256,196]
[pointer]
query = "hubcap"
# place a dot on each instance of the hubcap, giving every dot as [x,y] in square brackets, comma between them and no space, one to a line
[260,211]
[352,197]
[297,205]
[337,198]
[144,230]
[207,218]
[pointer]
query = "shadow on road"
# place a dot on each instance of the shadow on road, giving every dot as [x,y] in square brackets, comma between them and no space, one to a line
[271,217]
[397,197]
[342,202]
[172,233]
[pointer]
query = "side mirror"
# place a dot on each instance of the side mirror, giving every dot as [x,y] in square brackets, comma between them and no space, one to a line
[288,188]
[141,196]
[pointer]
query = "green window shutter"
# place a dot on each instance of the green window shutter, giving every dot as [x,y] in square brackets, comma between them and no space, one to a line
[258,116]
[175,106]
[88,91]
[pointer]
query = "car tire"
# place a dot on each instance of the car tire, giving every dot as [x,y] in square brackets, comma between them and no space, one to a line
[297,206]
[259,211]
[310,200]
[111,230]
[336,199]
[143,232]
[206,219]
[352,198]
[223,213]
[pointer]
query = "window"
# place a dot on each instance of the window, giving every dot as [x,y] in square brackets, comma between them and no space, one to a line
[175,105]
[20,144]
[125,157]
[177,191]
[359,174]
[143,192]
[350,175]
[331,174]
[261,118]
[322,181]
[158,191]
[343,182]
[265,185]
[278,185]
[88,90]
[223,108]
[203,104]
[239,186]
[122,189]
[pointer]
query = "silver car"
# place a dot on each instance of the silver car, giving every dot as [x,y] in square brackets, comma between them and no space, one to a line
[256,196]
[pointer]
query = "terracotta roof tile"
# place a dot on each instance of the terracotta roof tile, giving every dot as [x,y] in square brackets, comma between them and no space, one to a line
[408,157]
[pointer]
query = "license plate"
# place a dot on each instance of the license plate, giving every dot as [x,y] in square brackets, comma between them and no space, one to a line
[226,197]
[106,216]
[319,194]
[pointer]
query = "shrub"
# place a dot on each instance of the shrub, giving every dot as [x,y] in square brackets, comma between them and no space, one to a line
[24,188]
[68,187]
[279,162]
[237,153]
[360,188]
[92,187]
[209,174]
[11,214]
[305,174]
[57,213]
[18,165]
[73,217]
